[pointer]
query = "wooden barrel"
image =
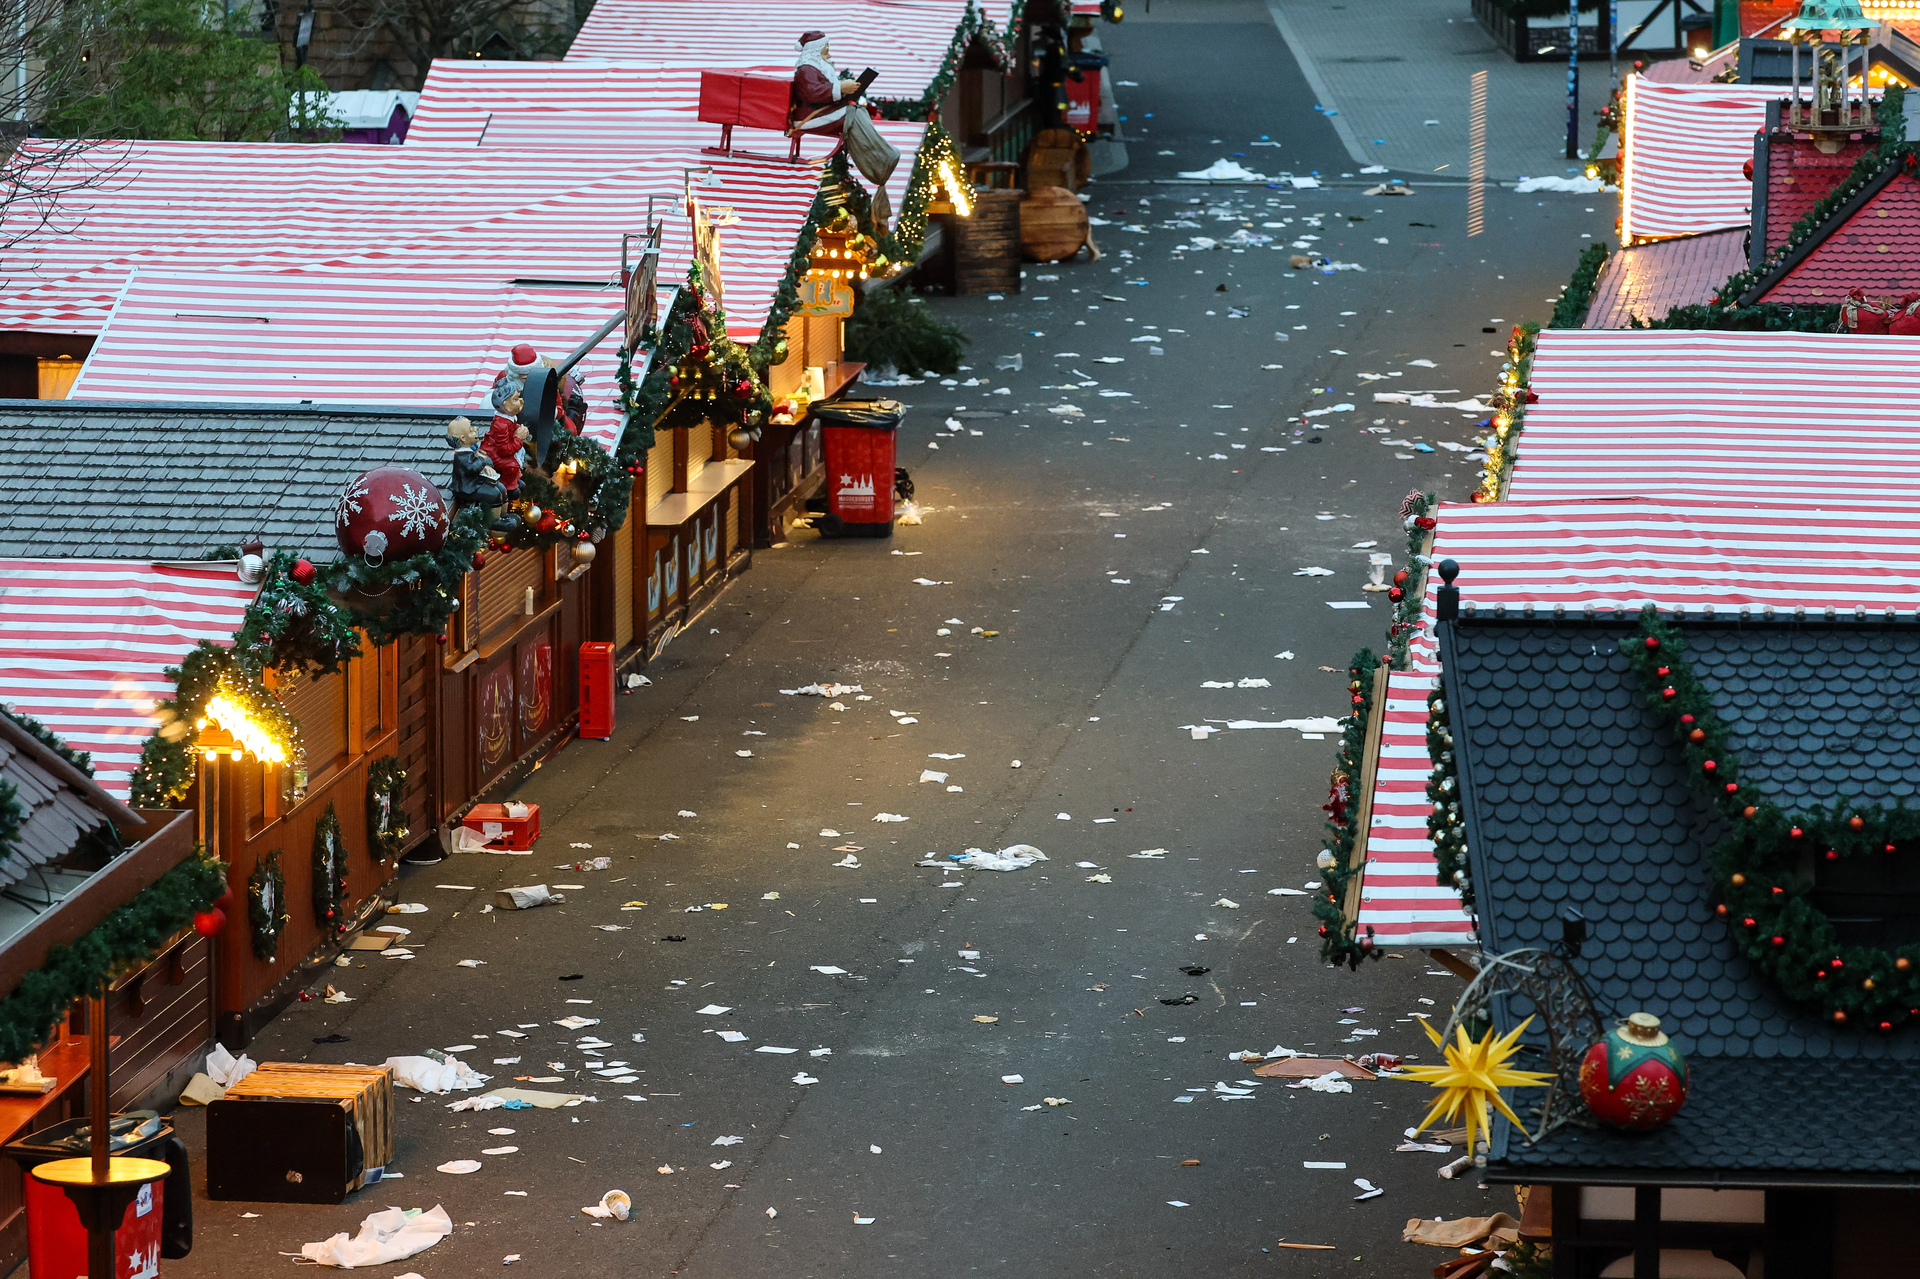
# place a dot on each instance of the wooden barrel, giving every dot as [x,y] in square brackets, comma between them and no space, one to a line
[1053,224]
[986,250]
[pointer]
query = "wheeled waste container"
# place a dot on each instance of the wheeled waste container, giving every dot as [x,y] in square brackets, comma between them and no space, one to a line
[860,446]
[159,1218]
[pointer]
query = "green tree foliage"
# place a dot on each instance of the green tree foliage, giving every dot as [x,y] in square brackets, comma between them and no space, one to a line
[170,69]
[891,328]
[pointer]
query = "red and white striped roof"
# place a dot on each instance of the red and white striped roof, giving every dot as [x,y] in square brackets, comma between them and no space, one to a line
[906,41]
[84,646]
[355,339]
[1621,554]
[606,107]
[274,217]
[1764,419]
[1683,149]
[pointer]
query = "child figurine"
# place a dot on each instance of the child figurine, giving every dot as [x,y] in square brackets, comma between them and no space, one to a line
[475,481]
[505,435]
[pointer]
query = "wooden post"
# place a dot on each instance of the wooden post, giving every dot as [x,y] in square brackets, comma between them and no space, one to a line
[100,1230]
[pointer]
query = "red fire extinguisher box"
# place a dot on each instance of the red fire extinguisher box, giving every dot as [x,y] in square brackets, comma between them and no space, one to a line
[860,447]
[596,690]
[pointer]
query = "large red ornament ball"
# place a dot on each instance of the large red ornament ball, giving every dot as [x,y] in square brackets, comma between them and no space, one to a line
[210,922]
[391,513]
[302,572]
[1634,1078]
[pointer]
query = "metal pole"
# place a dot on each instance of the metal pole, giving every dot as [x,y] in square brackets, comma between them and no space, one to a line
[580,352]
[1573,79]
[1613,43]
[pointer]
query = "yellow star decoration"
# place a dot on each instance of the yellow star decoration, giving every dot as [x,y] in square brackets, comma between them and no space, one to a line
[1472,1079]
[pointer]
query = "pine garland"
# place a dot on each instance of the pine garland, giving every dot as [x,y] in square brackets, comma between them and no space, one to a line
[329,875]
[386,812]
[166,766]
[131,935]
[662,399]
[1445,825]
[975,24]
[1339,940]
[1407,595]
[1509,412]
[291,625]
[267,905]
[1767,900]
[48,738]
[1571,310]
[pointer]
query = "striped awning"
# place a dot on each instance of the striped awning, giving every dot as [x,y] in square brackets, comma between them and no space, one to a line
[188,206]
[906,41]
[606,107]
[340,339]
[84,645]
[1610,555]
[1762,419]
[1683,148]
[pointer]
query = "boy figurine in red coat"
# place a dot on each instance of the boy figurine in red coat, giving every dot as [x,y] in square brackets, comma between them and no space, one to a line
[820,92]
[504,436]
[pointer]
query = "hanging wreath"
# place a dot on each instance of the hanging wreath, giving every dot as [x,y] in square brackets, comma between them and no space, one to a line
[267,905]
[329,874]
[386,818]
[1766,901]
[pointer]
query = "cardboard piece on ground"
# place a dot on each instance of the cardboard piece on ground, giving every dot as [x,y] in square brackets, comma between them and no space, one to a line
[372,941]
[1312,1068]
[1459,1232]
[534,1097]
[201,1091]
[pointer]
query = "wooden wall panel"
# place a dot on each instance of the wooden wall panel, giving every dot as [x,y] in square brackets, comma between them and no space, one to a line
[419,681]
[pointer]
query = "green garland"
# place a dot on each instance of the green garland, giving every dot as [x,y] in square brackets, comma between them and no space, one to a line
[923,189]
[660,400]
[593,501]
[1571,310]
[975,24]
[1445,825]
[1766,896]
[267,905]
[79,759]
[1339,940]
[289,624]
[386,812]
[420,594]
[329,874]
[1407,595]
[166,768]
[1509,412]
[129,936]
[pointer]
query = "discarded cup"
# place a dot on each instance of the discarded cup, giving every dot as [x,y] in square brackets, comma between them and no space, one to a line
[616,1204]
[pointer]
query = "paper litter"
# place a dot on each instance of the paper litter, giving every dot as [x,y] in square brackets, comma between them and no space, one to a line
[804,1078]
[615,1204]
[459,1167]
[526,898]
[1227,171]
[1013,857]
[393,1234]
[823,690]
[889,817]
[1367,1189]
[430,1075]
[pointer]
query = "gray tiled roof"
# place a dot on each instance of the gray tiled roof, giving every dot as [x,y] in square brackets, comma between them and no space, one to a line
[56,816]
[1575,796]
[128,479]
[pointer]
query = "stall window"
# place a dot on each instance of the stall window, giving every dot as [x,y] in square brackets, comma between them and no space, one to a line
[318,704]
[500,595]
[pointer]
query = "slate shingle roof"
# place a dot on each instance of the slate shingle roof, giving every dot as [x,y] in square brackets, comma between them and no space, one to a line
[1576,797]
[57,817]
[120,479]
[1645,281]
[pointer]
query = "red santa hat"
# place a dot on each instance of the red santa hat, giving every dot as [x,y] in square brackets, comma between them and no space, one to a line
[524,359]
[809,37]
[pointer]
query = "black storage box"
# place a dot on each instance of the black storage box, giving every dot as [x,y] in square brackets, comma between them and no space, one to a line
[296,1151]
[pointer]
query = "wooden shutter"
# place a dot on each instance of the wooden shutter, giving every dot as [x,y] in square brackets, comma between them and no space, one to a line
[660,468]
[319,706]
[624,569]
[500,589]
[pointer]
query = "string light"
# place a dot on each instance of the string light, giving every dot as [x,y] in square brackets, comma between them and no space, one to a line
[233,719]
[958,192]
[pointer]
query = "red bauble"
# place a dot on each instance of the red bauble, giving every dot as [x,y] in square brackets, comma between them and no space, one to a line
[223,902]
[1395,594]
[1652,643]
[391,513]
[302,572]
[210,922]
[1634,1078]
[479,559]
[1426,522]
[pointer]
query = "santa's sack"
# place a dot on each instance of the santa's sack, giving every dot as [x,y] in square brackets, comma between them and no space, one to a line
[872,154]
[1862,314]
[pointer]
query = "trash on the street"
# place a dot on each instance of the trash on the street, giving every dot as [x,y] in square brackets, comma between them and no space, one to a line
[1012,857]
[615,1204]
[527,897]
[392,1234]
[435,1074]
[459,1167]
[1367,1189]
[1312,1068]
[1461,1232]
[1012,1079]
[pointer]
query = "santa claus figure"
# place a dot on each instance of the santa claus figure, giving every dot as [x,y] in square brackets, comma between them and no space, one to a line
[820,93]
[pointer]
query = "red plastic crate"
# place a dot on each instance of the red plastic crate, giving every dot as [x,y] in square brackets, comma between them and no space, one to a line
[491,823]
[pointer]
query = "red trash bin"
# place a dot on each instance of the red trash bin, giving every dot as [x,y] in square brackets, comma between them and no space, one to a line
[860,436]
[57,1242]
[596,689]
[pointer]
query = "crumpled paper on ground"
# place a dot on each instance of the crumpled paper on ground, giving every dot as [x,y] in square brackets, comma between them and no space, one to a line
[466,840]
[1461,1231]
[427,1075]
[1013,857]
[823,690]
[222,1072]
[393,1234]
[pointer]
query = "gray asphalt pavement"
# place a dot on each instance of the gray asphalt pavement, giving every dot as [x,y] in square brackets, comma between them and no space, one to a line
[1126,554]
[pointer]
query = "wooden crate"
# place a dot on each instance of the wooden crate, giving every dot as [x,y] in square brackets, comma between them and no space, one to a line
[366,1092]
[986,251]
